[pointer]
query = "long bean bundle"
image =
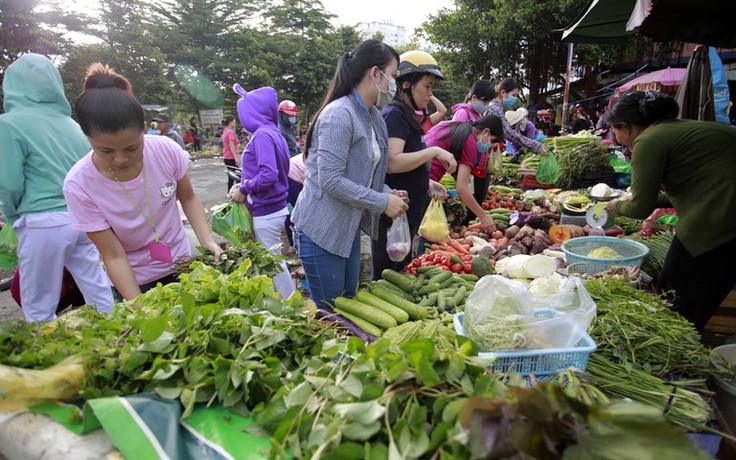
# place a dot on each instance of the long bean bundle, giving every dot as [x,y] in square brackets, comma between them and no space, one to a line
[578,157]
[638,330]
[681,407]
[659,245]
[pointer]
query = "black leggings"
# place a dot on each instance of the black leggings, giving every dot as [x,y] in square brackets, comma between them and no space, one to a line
[701,283]
[230,180]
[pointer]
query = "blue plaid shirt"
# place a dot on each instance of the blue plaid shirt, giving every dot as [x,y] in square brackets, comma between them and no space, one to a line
[340,194]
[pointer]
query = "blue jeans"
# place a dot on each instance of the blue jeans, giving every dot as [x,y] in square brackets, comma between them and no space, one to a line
[328,275]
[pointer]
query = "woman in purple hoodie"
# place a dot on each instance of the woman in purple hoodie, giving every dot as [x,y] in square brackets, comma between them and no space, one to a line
[264,186]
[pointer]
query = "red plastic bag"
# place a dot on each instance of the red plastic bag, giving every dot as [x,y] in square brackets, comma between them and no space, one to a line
[650,226]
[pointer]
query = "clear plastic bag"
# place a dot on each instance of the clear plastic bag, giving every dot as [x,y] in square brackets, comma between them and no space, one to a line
[398,241]
[434,224]
[500,315]
[495,161]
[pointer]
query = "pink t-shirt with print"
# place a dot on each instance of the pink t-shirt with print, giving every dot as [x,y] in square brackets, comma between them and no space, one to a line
[97,203]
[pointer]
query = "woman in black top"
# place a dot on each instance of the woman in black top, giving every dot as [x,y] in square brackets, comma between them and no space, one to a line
[408,155]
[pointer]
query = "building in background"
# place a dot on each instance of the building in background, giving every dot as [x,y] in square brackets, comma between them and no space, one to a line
[390,33]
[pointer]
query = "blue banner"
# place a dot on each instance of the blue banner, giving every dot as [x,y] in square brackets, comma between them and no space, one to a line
[721,95]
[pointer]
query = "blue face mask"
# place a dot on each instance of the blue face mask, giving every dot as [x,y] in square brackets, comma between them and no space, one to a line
[292,120]
[483,148]
[509,102]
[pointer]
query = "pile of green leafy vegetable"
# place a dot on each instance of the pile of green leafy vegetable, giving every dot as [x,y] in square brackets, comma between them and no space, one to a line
[648,353]
[261,260]
[579,158]
[211,337]
[629,225]
[639,330]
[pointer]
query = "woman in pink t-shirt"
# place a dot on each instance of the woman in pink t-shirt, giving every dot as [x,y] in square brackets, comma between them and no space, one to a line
[123,193]
[230,147]
[469,141]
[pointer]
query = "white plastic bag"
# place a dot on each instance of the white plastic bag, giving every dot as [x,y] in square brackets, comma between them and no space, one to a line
[398,241]
[500,315]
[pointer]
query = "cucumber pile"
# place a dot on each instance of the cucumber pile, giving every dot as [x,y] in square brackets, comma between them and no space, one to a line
[399,298]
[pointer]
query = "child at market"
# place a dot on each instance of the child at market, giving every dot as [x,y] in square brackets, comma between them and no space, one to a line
[123,193]
[476,102]
[469,141]
[264,185]
[346,156]
[34,164]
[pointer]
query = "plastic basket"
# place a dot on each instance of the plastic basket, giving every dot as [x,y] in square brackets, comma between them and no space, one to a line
[531,183]
[632,252]
[538,362]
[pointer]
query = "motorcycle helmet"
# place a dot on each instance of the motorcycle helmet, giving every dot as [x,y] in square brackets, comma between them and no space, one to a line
[289,108]
[416,61]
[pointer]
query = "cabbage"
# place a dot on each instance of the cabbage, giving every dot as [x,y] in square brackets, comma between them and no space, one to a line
[546,286]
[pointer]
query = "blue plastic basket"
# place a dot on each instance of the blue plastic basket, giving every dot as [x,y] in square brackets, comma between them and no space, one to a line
[576,250]
[541,362]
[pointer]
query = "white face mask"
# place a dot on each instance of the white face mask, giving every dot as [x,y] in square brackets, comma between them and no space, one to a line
[384,97]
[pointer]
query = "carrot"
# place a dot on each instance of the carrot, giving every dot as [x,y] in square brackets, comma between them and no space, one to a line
[477,226]
[459,247]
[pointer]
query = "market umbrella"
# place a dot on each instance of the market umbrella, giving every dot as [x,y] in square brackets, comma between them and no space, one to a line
[695,96]
[708,22]
[664,77]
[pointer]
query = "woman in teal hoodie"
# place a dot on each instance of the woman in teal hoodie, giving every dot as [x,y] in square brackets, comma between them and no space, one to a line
[34,163]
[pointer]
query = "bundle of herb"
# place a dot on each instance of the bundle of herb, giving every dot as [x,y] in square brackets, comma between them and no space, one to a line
[638,330]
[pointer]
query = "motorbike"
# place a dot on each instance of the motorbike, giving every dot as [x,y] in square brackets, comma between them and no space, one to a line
[233,173]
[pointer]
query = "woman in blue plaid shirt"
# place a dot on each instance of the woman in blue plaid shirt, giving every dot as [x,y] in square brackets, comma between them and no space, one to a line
[344,187]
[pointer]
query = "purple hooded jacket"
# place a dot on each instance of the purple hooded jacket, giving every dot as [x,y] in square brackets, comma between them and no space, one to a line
[265,159]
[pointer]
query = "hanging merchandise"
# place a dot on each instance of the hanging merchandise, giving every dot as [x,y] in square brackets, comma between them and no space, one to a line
[434,225]
[398,242]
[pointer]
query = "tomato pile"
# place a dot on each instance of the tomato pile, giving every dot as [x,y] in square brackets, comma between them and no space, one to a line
[499,200]
[455,263]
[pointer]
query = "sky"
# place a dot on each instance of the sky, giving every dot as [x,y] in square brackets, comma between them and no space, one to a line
[407,13]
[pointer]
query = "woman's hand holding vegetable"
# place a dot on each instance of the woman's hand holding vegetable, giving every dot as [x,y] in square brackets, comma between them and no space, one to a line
[437,191]
[447,160]
[487,224]
[396,206]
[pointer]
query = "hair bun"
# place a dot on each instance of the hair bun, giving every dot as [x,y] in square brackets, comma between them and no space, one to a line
[101,76]
[655,106]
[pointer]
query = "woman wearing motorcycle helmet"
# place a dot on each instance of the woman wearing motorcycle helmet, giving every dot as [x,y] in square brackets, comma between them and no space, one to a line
[408,155]
[287,123]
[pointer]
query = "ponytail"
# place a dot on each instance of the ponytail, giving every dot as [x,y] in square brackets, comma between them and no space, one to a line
[107,103]
[351,68]
[642,108]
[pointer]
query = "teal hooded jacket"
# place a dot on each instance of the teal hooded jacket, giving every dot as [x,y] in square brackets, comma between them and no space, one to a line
[39,141]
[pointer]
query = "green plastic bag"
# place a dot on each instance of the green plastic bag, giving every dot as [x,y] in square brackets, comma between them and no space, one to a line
[233,221]
[548,171]
[8,248]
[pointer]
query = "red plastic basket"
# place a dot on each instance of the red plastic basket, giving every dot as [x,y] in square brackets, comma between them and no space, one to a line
[530,182]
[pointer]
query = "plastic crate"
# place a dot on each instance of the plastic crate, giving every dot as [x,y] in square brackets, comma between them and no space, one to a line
[567,219]
[540,362]
[632,252]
